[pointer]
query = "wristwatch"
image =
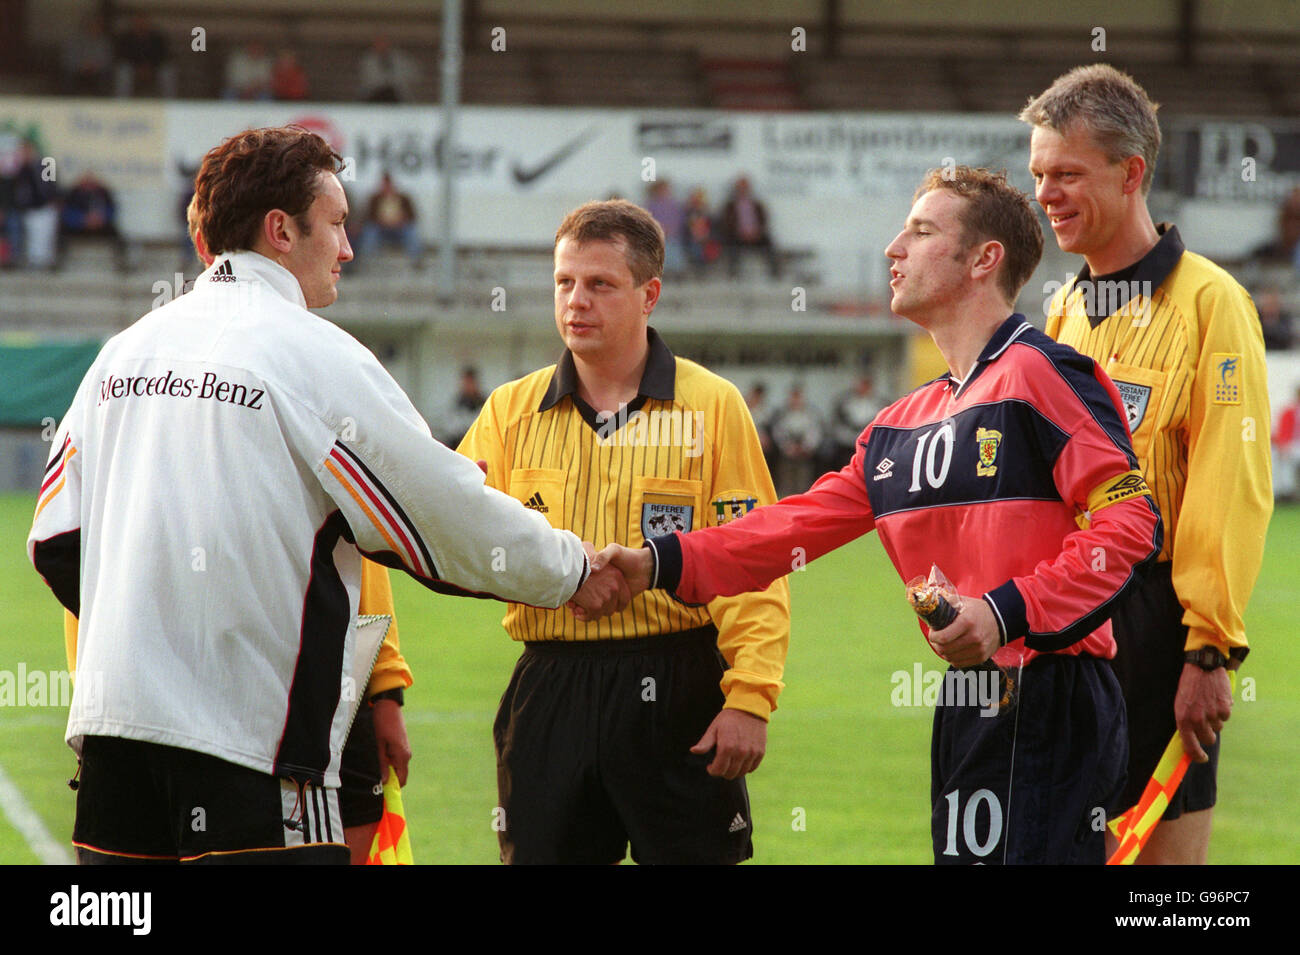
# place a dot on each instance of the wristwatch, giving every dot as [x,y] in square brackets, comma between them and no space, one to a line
[1207,658]
[1211,658]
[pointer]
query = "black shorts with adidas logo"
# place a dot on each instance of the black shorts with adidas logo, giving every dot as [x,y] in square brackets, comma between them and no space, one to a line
[593,746]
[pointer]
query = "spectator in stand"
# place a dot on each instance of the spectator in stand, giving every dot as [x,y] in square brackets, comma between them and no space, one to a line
[1284,248]
[142,65]
[288,78]
[36,203]
[1286,451]
[248,73]
[11,224]
[87,62]
[387,74]
[89,210]
[798,433]
[854,410]
[390,217]
[671,216]
[1275,320]
[744,228]
[756,400]
[464,411]
[702,245]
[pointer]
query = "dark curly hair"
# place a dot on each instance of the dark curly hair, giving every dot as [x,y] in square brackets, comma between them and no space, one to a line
[250,174]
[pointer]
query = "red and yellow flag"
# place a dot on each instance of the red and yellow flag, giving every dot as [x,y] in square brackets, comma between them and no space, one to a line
[392,845]
[1133,829]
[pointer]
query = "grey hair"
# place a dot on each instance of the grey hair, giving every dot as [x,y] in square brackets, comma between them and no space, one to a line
[1110,105]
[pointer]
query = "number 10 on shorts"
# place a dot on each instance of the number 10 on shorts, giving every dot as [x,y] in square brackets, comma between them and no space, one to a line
[980,831]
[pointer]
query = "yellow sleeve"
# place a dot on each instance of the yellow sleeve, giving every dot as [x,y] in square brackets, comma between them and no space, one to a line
[1219,543]
[70,640]
[753,628]
[390,669]
[484,441]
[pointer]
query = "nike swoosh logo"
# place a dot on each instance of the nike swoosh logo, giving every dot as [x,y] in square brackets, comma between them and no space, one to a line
[527,174]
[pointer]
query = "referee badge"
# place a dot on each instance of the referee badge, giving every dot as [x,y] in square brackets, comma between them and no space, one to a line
[1136,398]
[665,513]
[729,506]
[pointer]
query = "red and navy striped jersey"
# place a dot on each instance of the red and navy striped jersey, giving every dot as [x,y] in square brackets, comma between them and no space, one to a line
[1019,483]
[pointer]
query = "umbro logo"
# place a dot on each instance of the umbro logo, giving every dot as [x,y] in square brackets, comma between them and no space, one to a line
[884,469]
[536,503]
[224,273]
[1129,482]
[737,824]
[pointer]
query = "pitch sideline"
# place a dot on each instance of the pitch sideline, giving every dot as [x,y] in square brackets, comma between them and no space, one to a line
[23,818]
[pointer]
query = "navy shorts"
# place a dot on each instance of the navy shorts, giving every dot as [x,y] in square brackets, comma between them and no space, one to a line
[1032,782]
[1151,637]
[593,753]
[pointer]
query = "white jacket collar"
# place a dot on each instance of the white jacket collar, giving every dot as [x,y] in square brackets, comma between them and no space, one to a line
[253,265]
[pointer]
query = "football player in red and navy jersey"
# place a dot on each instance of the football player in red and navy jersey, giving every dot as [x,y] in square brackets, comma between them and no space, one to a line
[1014,474]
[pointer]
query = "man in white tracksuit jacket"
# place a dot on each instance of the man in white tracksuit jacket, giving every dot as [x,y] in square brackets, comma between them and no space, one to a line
[224,462]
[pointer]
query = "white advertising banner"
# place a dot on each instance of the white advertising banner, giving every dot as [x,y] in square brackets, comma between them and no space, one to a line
[837,185]
[120,141]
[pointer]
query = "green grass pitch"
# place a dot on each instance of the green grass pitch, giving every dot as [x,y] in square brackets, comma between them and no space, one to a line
[846,778]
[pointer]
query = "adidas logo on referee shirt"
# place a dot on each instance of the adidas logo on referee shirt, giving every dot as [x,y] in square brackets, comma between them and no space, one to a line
[224,273]
[535,502]
[737,824]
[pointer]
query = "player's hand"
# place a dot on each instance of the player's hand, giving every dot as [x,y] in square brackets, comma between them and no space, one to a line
[1201,707]
[970,639]
[633,566]
[390,735]
[739,740]
[635,563]
[604,592]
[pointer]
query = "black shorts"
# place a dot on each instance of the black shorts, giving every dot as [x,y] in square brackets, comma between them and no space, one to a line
[593,752]
[1035,782]
[147,803]
[1151,637]
[361,790]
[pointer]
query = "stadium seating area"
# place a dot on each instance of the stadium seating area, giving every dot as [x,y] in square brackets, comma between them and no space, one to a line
[733,64]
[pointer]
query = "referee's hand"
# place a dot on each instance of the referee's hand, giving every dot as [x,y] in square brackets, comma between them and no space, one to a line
[739,741]
[1202,705]
[390,736]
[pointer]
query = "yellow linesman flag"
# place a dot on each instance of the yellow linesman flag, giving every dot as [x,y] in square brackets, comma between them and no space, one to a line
[392,845]
[1133,828]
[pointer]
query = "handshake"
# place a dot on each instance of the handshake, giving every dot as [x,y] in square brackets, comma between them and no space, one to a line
[617,575]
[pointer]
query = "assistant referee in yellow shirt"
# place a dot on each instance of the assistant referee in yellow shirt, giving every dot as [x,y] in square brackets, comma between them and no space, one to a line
[639,727]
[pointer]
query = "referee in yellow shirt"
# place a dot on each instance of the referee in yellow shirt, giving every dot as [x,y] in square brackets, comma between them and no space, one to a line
[1182,342]
[638,728]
